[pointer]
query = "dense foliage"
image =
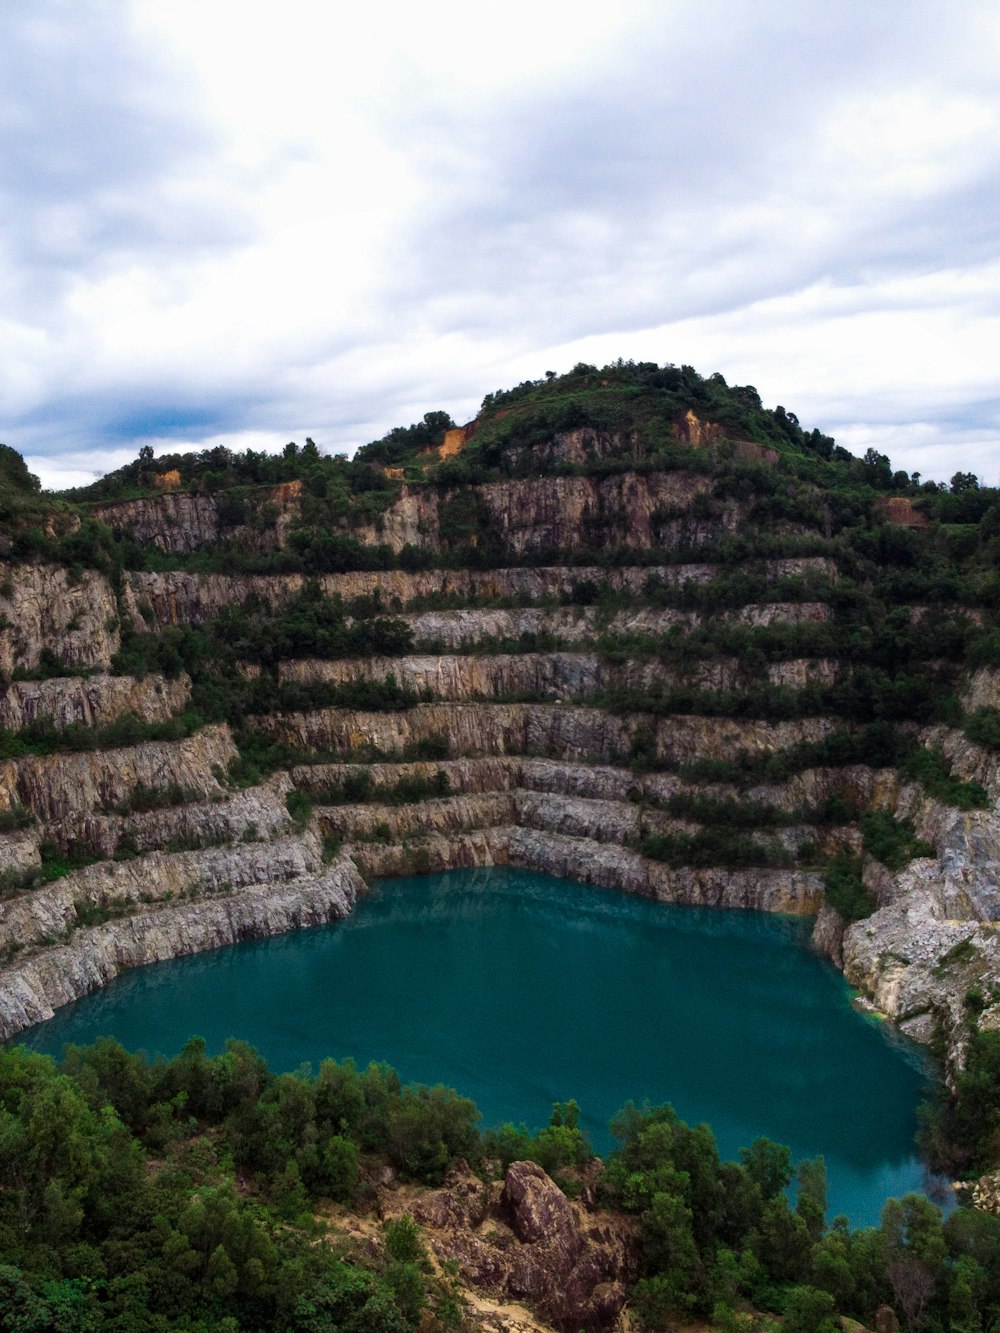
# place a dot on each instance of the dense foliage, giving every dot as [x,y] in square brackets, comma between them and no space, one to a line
[190,1194]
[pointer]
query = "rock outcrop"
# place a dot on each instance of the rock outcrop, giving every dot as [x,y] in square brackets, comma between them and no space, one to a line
[551,675]
[522,1239]
[74,617]
[31,990]
[179,597]
[91,701]
[933,941]
[527,673]
[558,732]
[61,786]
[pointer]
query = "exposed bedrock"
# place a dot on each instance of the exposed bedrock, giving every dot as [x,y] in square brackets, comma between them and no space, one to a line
[33,988]
[184,521]
[448,631]
[174,597]
[466,850]
[62,786]
[116,886]
[19,852]
[556,731]
[43,607]
[256,813]
[446,815]
[614,867]
[600,864]
[174,522]
[524,515]
[551,675]
[934,937]
[608,821]
[566,513]
[983,690]
[471,776]
[91,701]
[523,1239]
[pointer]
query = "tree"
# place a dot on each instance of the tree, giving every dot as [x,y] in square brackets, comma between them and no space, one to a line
[769,1165]
[915,1253]
[809,1310]
[964,481]
[811,1202]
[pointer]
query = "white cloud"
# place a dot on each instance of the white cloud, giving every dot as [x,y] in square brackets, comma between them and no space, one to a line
[230,222]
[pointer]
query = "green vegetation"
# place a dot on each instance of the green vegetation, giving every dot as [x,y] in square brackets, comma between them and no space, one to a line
[308,626]
[186,1195]
[931,769]
[145,797]
[983,727]
[15,817]
[357,787]
[906,603]
[845,889]
[119,1206]
[43,738]
[891,840]
[961,1131]
[717,845]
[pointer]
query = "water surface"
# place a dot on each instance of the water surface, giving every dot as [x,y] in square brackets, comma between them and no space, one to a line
[519,989]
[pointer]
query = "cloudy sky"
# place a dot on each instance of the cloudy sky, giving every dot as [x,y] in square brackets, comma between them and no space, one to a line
[247,223]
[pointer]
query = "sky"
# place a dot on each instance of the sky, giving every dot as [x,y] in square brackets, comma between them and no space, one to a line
[245,223]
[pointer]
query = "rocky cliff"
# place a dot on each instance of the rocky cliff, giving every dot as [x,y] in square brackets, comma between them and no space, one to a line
[649,660]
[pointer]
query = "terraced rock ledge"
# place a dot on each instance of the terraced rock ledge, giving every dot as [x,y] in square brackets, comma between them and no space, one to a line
[689,664]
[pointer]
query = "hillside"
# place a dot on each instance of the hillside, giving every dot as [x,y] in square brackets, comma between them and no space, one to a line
[628,627]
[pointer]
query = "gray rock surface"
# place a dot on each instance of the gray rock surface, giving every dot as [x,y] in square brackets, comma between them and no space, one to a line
[32,988]
[93,701]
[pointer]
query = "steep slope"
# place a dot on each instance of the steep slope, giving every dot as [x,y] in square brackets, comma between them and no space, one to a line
[628,627]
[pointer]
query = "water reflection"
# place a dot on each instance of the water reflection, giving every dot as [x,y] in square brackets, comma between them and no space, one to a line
[520,990]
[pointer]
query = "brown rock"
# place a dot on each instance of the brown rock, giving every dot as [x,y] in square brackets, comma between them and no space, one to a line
[885,1320]
[539,1211]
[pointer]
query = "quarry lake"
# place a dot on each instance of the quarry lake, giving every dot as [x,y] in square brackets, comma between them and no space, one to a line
[519,990]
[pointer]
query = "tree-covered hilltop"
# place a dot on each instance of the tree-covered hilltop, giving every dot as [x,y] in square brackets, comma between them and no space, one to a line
[645,405]
[637,417]
[209,1193]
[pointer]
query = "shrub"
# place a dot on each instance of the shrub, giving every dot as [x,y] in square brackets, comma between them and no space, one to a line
[299,806]
[983,727]
[845,889]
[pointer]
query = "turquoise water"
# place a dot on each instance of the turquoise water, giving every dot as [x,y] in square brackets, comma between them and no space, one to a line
[519,990]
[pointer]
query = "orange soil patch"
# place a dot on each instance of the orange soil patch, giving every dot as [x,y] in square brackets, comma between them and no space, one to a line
[167,481]
[902,511]
[287,490]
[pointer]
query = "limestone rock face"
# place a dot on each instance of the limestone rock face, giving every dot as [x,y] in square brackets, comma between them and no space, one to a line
[171,522]
[257,814]
[567,513]
[92,701]
[828,935]
[42,607]
[184,521]
[60,786]
[177,597]
[448,631]
[160,876]
[31,990]
[558,732]
[983,690]
[538,1209]
[934,939]
[553,675]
